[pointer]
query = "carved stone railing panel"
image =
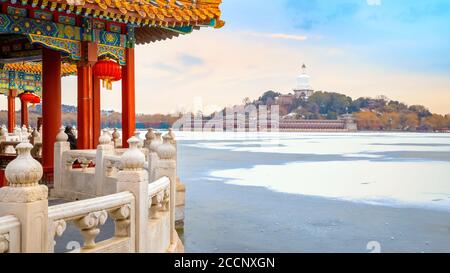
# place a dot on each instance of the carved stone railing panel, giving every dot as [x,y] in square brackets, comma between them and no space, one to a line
[112,165]
[86,158]
[89,226]
[8,147]
[121,217]
[4,243]
[88,215]
[9,234]
[158,193]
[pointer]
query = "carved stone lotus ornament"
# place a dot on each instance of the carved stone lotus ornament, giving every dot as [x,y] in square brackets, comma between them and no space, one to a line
[133,158]
[105,138]
[166,150]
[24,171]
[150,135]
[23,175]
[156,142]
[62,136]
[116,134]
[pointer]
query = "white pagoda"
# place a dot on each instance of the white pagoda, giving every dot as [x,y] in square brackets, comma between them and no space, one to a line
[303,89]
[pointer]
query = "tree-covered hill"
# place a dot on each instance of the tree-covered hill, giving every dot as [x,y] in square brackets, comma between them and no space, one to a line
[378,113]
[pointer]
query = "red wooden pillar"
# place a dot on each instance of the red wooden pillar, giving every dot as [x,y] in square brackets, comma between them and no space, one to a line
[51,105]
[85,122]
[12,110]
[84,118]
[24,112]
[96,110]
[128,98]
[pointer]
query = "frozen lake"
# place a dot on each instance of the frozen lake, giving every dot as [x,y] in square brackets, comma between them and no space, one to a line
[316,192]
[385,169]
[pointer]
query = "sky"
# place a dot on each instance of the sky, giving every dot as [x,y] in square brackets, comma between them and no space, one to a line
[396,48]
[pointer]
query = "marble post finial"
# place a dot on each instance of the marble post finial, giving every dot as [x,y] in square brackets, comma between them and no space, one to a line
[133,159]
[23,175]
[166,151]
[105,138]
[62,136]
[156,142]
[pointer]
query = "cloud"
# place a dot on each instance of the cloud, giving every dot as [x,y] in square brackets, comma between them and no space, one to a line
[166,67]
[373,2]
[190,60]
[281,36]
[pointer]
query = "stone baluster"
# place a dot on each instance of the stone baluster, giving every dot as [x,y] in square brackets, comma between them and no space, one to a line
[61,145]
[109,168]
[157,205]
[172,135]
[180,189]
[26,199]
[149,137]
[122,220]
[167,166]
[57,228]
[116,137]
[33,137]
[17,133]
[24,134]
[89,227]
[172,141]
[153,156]
[4,243]
[134,178]
[105,147]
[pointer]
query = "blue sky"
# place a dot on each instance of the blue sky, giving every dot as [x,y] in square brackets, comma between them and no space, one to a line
[411,34]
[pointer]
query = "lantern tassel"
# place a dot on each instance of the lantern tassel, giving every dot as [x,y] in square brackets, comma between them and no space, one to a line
[108,85]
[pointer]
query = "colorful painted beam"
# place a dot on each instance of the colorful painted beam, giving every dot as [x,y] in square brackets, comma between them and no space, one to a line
[26,77]
[66,38]
[118,16]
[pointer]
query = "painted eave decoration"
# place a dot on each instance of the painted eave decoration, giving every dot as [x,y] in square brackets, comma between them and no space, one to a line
[27,76]
[67,69]
[154,19]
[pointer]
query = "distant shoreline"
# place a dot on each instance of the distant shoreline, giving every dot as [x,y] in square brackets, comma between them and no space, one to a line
[310,131]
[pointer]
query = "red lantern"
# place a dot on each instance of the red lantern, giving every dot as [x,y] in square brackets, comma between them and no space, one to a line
[36,99]
[30,98]
[108,71]
[27,97]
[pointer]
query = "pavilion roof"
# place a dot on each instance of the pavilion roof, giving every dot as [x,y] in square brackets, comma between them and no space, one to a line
[67,69]
[147,12]
[154,18]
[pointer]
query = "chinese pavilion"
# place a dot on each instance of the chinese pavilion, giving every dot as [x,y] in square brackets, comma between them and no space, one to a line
[25,79]
[93,39]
